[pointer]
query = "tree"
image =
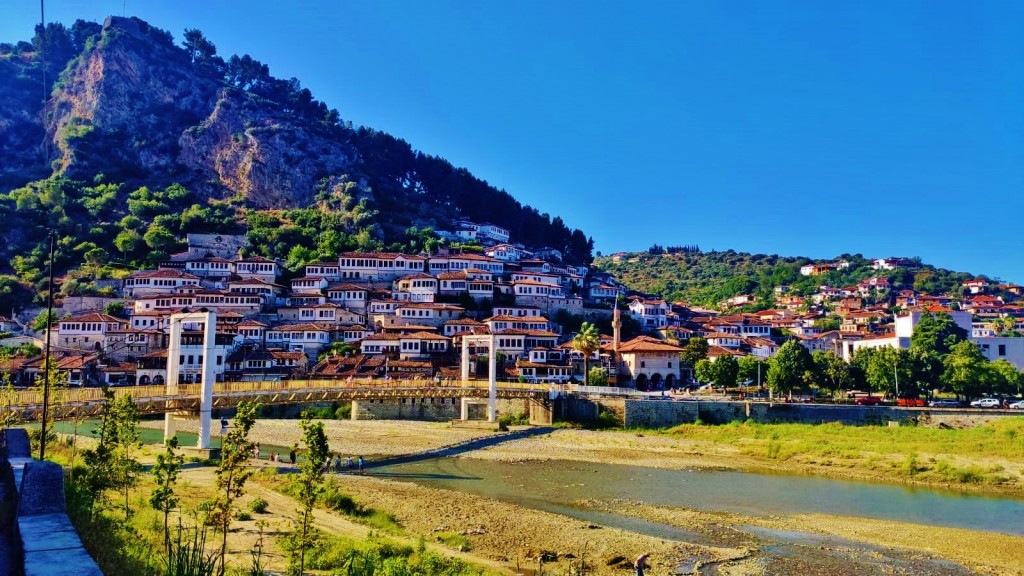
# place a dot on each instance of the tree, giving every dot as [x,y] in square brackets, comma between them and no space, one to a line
[586,341]
[597,376]
[751,369]
[965,369]
[788,368]
[891,372]
[726,369]
[311,479]
[165,475]
[1007,379]
[831,372]
[937,333]
[232,472]
[704,371]
[198,47]
[125,414]
[694,351]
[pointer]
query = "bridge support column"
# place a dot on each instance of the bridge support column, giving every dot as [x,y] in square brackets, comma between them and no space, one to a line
[464,409]
[465,358]
[173,368]
[492,381]
[209,365]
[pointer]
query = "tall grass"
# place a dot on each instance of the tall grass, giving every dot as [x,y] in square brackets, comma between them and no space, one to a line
[911,452]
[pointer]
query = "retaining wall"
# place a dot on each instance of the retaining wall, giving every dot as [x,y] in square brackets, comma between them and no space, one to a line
[50,544]
[435,409]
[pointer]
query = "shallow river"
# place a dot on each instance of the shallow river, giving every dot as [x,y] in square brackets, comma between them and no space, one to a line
[555,485]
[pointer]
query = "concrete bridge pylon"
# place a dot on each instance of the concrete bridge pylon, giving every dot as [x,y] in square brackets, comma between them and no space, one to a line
[209,321]
[492,373]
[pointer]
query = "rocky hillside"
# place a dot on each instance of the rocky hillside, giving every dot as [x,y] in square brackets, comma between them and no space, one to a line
[128,107]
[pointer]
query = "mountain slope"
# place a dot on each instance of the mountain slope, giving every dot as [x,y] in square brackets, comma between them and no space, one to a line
[131,114]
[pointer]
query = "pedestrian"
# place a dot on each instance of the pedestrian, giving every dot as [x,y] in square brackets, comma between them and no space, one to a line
[641,563]
[291,456]
[256,450]
[337,464]
[223,426]
[359,462]
[350,464]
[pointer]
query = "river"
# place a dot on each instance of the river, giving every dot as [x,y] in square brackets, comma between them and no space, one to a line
[556,485]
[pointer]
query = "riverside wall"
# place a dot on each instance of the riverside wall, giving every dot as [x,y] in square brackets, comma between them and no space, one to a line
[666,413]
[433,409]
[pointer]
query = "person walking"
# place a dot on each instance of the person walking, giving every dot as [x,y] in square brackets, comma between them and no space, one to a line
[291,456]
[641,563]
[350,464]
[359,463]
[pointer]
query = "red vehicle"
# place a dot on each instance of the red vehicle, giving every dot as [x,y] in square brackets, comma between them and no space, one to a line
[868,400]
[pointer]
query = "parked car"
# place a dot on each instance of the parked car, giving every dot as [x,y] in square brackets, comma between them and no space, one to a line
[944,403]
[986,403]
[1018,405]
[868,401]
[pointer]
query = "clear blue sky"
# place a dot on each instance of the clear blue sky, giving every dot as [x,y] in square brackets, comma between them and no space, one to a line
[800,128]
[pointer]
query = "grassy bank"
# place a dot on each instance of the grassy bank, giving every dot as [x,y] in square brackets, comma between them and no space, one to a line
[990,455]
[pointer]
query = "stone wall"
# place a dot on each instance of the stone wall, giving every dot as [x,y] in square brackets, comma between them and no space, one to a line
[666,413]
[50,544]
[436,409]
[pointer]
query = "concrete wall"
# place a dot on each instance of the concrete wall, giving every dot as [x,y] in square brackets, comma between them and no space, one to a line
[665,413]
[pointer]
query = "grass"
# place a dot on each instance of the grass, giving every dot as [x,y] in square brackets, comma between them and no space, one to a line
[945,456]
[454,540]
[377,555]
[333,498]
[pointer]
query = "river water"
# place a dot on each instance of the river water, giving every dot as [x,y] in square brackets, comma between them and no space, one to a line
[555,485]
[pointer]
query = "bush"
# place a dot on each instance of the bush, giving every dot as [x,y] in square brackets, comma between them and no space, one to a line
[243,516]
[517,419]
[454,540]
[344,412]
[259,506]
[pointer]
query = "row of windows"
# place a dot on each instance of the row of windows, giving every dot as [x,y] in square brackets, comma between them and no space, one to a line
[85,327]
[192,360]
[296,335]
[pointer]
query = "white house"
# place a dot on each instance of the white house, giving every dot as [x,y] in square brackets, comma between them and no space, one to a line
[257,267]
[308,338]
[378,265]
[87,331]
[149,282]
[651,314]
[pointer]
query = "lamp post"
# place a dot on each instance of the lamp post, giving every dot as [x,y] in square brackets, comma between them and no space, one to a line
[47,361]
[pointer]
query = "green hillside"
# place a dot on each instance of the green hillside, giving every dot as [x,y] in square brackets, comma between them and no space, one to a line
[707,278]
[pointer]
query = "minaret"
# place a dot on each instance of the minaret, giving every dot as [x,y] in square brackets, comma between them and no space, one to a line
[616,332]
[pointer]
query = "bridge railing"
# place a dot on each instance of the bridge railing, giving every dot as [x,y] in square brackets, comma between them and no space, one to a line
[58,396]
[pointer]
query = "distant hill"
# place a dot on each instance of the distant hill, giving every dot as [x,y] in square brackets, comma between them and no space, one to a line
[708,278]
[131,112]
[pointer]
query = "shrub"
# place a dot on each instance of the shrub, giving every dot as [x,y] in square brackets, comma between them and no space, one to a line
[259,506]
[344,412]
[243,516]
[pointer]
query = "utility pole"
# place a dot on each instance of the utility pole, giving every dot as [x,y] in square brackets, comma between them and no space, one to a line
[47,361]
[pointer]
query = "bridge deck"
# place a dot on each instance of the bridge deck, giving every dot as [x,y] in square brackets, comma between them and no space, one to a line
[157,399]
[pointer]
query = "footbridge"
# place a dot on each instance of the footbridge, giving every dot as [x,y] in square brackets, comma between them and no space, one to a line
[67,403]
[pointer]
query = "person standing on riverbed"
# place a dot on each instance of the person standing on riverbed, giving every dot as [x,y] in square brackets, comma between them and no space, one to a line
[641,563]
[359,462]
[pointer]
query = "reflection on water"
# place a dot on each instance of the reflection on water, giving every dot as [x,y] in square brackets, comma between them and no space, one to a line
[555,485]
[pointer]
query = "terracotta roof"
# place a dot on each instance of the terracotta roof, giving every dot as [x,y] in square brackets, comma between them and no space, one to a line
[647,344]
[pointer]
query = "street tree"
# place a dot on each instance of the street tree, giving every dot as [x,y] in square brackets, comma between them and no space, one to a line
[937,333]
[889,369]
[965,370]
[704,371]
[789,368]
[586,341]
[831,372]
[126,443]
[311,484]
[1006,378]
[751,369]
[726,370]
[232,472]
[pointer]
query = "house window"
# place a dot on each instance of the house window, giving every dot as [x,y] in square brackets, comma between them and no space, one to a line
[1002,349]
[643,364]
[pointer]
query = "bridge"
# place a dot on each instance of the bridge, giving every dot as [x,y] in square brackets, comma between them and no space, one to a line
[68,403]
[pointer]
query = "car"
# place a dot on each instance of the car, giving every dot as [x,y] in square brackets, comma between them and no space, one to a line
[944,404]
[986,403]
[868,401]
[1017,405]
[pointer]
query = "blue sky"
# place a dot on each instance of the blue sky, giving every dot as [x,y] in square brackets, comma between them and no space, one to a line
[799,128]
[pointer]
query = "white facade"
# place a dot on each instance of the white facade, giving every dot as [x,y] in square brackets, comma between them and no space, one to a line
[1002,348]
